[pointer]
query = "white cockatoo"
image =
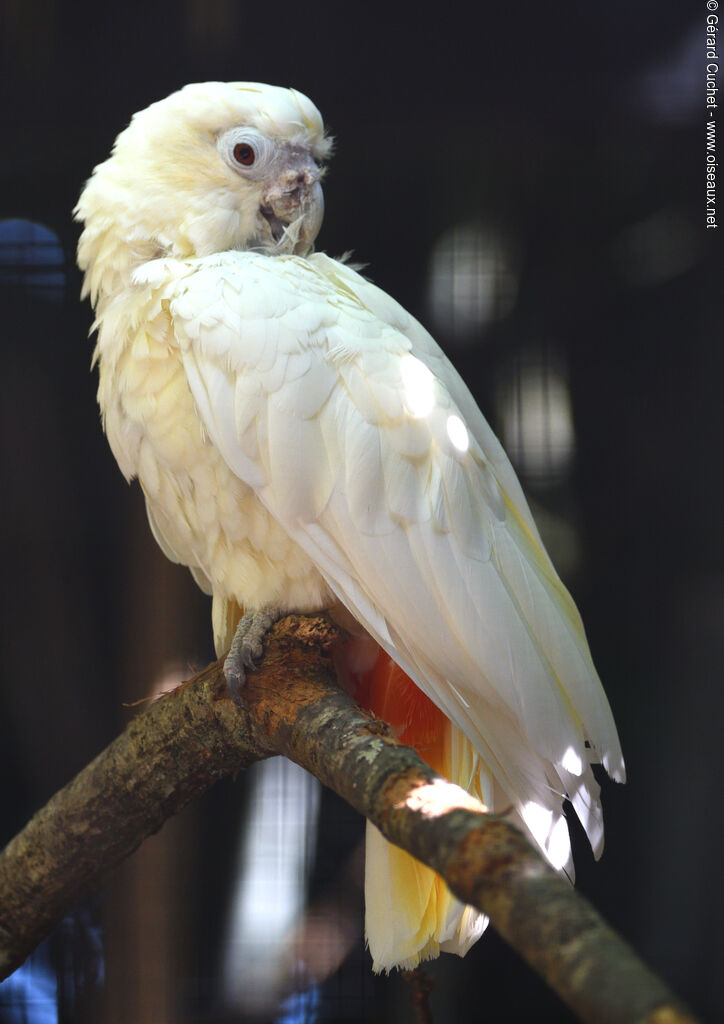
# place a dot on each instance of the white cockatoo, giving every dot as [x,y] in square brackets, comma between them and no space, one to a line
[303,444]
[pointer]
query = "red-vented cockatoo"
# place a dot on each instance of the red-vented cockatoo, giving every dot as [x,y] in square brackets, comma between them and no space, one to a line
[303,443]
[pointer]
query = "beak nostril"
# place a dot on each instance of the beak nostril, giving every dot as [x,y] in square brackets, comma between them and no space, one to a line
[297,184]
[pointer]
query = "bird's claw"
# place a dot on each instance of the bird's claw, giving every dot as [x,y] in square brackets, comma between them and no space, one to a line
[246,649]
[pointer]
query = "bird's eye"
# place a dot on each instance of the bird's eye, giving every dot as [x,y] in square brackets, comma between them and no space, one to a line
[246,151]
[244,154]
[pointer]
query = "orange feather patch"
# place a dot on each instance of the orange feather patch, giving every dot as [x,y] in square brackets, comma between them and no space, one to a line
[389,693]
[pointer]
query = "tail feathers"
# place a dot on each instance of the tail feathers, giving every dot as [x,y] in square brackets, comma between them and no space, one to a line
[225,615]
[411,915]
[471,925]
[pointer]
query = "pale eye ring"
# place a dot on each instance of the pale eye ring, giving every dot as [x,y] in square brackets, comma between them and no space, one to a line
[244,154]
[247,151]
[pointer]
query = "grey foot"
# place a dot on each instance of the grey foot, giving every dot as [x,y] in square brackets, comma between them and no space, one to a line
[246,648]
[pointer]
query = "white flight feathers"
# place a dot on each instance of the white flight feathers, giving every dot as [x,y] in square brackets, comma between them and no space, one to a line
[331,415]
[302,440]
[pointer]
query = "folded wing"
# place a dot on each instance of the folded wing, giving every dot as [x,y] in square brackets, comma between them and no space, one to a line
[360,438]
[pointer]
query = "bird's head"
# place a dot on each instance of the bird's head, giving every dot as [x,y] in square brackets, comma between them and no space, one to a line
[212,167]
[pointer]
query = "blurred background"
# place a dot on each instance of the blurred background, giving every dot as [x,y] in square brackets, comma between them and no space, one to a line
[529,181]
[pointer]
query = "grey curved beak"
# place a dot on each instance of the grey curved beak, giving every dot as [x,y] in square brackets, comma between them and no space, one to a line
[293,203]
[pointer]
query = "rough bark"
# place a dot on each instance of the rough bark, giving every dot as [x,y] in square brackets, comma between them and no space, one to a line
[191,737]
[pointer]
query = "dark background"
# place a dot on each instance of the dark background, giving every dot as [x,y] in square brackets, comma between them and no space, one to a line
[565,140]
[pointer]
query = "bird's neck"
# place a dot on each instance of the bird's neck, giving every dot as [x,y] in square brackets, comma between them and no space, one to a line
[108,260]
[119,235]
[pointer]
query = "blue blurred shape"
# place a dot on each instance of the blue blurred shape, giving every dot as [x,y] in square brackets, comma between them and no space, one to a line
[30,994]
[32,259]
[299,1007]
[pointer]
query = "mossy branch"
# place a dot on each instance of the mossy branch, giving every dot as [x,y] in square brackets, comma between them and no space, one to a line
[194,735]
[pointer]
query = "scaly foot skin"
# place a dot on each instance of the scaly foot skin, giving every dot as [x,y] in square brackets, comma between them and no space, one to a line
[246,648]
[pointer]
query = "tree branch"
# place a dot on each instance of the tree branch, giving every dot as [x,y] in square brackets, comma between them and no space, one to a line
[193,736]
